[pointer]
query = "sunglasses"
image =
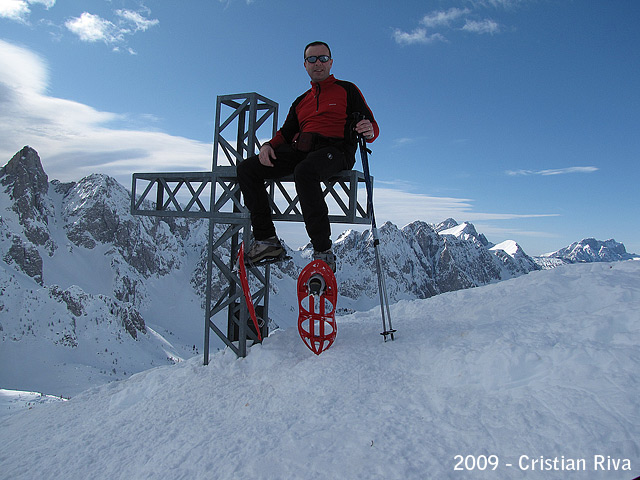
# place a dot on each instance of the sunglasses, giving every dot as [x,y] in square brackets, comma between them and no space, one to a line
[315,58]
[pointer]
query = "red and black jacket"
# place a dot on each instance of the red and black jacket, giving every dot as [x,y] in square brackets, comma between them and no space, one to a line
[327,109]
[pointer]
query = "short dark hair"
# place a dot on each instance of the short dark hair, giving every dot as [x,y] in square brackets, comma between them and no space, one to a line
[313,44]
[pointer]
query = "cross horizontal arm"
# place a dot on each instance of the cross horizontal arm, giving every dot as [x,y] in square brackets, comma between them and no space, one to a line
[188,194]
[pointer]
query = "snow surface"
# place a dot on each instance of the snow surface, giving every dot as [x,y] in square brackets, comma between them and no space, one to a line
[14,400]
[546,364]
[508,246]
[455,231]
[50,350]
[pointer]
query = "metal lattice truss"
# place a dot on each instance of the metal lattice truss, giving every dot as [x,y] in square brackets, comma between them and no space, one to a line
[249,114]
[240,122]
[189,195]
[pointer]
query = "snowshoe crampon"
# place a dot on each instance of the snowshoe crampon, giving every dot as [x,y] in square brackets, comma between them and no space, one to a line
[317,299]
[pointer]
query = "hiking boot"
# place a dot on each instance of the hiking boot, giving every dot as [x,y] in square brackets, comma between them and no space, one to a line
[327,256]
[264,251]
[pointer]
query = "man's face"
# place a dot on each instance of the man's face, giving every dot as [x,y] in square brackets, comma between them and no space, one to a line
[318,71]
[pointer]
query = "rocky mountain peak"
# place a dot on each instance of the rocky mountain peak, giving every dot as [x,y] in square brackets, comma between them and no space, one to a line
[27,185]
[464,231]
[445,225]
[24,173]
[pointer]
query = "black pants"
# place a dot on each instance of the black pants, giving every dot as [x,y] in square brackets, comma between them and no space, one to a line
[309,169]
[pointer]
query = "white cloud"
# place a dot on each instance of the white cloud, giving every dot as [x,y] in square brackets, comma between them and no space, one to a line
[88,27]
[22,72]
[419,35]
[46,3]
[394,203]
[93,28]
[445,21]
[484,26]
[552,171]
[400,142]
[443,17]
[140,23]
[434,19]
[74,139]
[492,231]
[17,10]
[506,4]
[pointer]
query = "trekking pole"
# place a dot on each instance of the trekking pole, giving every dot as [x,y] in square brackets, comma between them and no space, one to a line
[382,287]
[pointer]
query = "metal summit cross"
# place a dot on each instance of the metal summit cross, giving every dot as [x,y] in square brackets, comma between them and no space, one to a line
[215,195]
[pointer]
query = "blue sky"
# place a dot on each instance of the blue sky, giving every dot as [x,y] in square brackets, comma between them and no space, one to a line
[521,116]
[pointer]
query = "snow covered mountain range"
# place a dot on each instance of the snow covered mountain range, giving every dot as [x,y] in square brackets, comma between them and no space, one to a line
[90,293]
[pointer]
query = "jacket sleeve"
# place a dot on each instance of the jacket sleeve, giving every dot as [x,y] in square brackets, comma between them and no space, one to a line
[290,127]
[357,103]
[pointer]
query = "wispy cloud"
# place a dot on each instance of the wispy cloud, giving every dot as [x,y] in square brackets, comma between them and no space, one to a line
[135,19]
[483,26]
[437,25]
[419,35]
[75,139]
[500,232]
[505,4]
[552,171]
[394,203]
[404,141]
[398,142]
[443,17]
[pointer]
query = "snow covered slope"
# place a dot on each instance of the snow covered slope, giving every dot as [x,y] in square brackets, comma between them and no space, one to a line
[85,295]
[543,365]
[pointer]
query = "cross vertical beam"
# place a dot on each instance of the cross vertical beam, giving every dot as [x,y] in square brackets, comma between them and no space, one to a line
[249,113]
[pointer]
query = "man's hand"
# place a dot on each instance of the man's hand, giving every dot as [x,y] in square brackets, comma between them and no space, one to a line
[266,155]
[365,128]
